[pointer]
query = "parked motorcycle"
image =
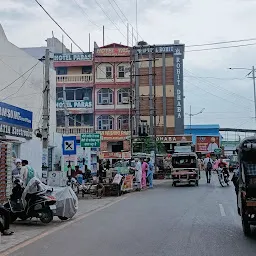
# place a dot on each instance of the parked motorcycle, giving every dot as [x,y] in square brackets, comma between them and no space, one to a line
[35,201]
[223,176]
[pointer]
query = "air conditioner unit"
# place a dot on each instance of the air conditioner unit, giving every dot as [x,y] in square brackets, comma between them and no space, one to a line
[105,101]
[125,100]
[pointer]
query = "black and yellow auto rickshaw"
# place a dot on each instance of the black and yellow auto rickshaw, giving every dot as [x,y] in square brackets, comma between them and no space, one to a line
[246,201]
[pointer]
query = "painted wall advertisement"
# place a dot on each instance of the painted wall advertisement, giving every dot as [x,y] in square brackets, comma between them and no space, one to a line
[207,143]
[15,121]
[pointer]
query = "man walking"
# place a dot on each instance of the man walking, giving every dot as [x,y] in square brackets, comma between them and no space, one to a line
[138,173]
[150,173]
[208,163]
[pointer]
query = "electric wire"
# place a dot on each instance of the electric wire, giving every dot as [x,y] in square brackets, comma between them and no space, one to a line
[18,77]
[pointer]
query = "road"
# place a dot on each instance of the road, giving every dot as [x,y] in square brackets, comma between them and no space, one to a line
[165,221]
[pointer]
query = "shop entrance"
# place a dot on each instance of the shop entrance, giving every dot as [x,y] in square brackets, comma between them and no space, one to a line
[117,146]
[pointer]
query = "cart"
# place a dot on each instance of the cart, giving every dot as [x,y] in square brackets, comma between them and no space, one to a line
[246,201]
[185,169]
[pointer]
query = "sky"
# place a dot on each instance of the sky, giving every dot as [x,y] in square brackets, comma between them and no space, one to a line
[225,95]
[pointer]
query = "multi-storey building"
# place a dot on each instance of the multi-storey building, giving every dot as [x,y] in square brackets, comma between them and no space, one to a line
[74,92]
[112,96]
[159,68]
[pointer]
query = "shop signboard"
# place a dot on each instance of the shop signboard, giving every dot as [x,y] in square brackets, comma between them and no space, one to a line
[73,56]
[182,149]
[114,135]
[105,52]
[90,140]
[174,138]
[207,143]
[230,145]
[115,155]
[73,104]
[127,183]
[218,151]
[15,121]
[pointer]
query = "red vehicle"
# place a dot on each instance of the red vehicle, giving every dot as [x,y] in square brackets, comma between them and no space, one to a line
[185,169]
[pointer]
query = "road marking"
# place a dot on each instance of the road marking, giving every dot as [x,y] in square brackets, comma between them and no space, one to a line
[46,233]
[222,211]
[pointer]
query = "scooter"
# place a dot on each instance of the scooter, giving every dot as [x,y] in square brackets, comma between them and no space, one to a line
[40,204]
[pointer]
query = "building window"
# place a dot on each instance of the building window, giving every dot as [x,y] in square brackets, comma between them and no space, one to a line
[105,122]
[87,70]
[123,96]
[109,74]
[123,123]
[60,119]
[121,72]
[59,92]
[83,94]
[105,97]
[61,71]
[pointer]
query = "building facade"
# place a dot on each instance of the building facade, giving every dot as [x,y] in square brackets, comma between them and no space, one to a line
[21,104]
[74,92]
[158,72]
[112,96]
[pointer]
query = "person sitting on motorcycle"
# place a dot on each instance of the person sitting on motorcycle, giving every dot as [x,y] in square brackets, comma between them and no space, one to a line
[7,219]
[223,166]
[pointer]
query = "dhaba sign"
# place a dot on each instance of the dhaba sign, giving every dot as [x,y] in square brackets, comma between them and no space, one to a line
[174,138]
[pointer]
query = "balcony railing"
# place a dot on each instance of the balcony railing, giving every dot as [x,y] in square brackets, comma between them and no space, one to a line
[65,79]
[75,130]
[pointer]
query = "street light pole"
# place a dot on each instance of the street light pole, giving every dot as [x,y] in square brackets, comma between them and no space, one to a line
[252,70]
[190,116]
[254,90]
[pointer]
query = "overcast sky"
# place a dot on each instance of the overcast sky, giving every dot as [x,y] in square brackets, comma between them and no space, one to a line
[226,95]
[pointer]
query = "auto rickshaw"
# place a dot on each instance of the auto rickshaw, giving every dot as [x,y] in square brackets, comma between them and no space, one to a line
[185,169]
[246,201]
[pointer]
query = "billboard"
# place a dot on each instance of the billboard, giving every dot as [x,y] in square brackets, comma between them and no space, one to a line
[15,121]
[207,143]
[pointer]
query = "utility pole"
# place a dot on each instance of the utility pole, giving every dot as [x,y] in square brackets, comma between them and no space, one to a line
[154,94]
[65,108]
[131,101]
[254,89]
[46,111]
[190,119]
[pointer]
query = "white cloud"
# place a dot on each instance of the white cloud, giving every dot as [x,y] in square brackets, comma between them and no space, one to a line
[162,21]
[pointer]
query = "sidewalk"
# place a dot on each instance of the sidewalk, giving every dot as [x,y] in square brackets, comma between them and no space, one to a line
[25,230]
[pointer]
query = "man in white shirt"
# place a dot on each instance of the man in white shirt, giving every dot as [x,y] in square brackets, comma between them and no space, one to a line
[138,173]
[213,145]
[24,172]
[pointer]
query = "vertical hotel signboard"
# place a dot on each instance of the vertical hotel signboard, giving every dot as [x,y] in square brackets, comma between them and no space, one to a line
[178,55]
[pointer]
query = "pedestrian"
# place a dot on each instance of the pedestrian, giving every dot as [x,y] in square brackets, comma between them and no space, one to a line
[16,170]
[235,180]
[26,172]
[138,173]
[150,173]
[7,219]
[208,163]
[78,174]
[144,167]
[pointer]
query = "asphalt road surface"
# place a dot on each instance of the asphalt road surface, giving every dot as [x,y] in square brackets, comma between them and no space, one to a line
[165,221]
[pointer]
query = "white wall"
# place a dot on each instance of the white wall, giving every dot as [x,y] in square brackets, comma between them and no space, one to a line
[26,93]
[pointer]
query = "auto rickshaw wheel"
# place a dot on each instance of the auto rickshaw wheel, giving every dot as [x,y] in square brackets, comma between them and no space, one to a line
[174,184]
[196,183]
[246,225]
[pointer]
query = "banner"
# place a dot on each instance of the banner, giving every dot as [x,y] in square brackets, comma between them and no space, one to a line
[127,183]
[207,143]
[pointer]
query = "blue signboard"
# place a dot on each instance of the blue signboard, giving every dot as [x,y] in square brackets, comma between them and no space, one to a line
[15,121]
[69,145]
